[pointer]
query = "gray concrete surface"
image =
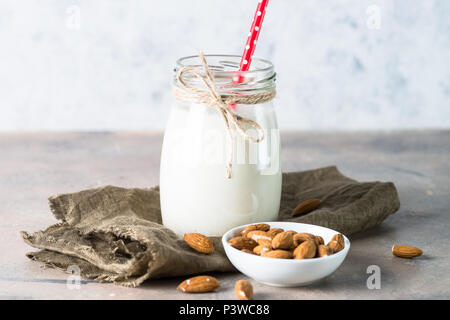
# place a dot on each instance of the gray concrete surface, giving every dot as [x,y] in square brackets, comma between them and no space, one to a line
[34,166]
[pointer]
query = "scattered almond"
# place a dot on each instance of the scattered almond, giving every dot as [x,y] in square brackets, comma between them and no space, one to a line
[243,290]
[404,251]
[279,254]
[199,284]
[199,242]
[323,251]
[306,250]
[306,207]
[283,240]
[243,243]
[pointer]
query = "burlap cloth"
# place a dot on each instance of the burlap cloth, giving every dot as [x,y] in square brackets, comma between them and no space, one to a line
[115,234]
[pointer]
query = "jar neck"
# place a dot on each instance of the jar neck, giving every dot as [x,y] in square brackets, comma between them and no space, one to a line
[225,71]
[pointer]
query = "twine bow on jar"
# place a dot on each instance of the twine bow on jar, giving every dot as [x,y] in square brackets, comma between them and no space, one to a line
[212,98]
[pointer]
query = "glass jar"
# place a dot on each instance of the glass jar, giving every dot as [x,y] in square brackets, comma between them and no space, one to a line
[198,192]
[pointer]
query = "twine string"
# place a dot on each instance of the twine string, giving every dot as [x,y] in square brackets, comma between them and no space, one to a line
[212,98]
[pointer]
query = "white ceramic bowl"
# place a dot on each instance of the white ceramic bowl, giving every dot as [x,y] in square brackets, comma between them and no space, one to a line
[285,272]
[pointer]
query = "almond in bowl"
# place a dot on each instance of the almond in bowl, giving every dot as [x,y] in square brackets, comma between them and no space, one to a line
[285,254]
[286,244]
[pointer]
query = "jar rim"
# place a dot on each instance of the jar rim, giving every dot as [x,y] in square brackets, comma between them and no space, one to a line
[256,62]
[225,67]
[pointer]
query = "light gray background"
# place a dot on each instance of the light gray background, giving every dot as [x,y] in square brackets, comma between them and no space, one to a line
[107,64]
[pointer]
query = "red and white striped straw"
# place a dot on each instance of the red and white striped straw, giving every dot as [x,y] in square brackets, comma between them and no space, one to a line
[252,39]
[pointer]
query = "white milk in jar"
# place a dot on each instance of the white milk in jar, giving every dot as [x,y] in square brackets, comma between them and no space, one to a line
[213,175]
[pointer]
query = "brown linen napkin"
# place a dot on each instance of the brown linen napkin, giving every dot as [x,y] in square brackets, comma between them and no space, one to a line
[115,234]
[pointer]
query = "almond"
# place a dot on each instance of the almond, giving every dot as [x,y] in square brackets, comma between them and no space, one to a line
[306,250]
[262,226]
[265,243]
[319,240]
[243,290]
[279,254]
[199,284]
[306,207]
[258,234]
[302,237]
[404,251]
[253,227]
[283,240]
[335,246]
[249,228]
[243,243]
[248,251]
[199,242]
[323,251]
[340,239]
[273,232]
[260,250]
